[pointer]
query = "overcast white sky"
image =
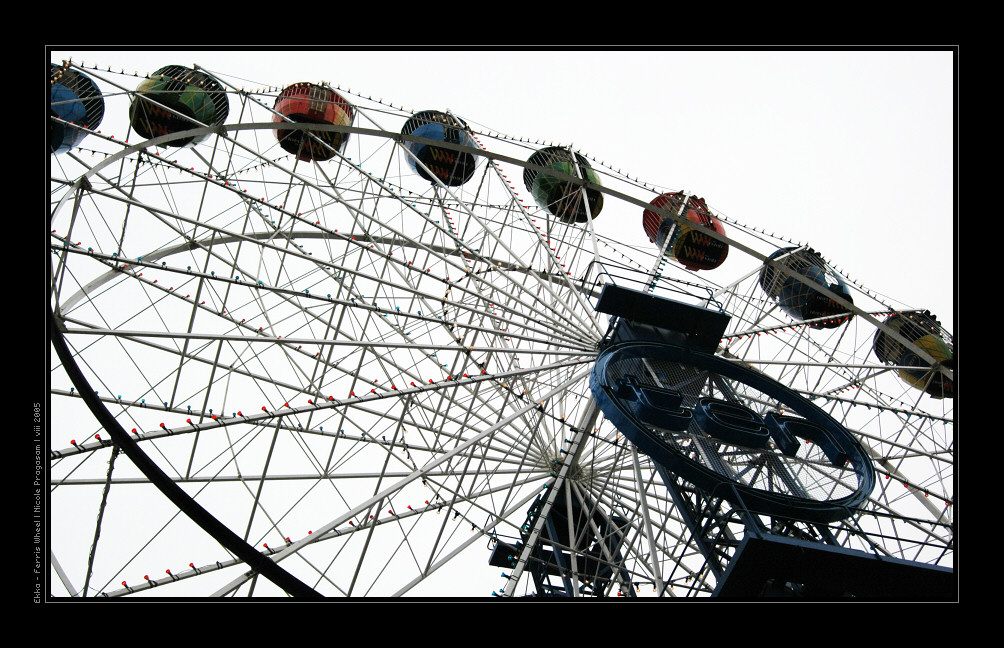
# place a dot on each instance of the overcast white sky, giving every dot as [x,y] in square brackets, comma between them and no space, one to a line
[850,151]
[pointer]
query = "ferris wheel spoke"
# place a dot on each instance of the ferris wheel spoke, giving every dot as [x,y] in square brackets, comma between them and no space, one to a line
[640,535]
[265,419]
[171,577]
[458,250]
[673,546]
[598,491]
[522,263]
[909,535]
[590,326]
[445,559]
[286,294]
[383,494]
[399,517]
[471,500]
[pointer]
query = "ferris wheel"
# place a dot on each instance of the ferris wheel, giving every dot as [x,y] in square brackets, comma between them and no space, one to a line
[351,349]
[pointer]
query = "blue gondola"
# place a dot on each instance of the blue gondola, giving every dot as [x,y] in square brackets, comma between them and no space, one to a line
[73,98]
[450,166]
[797,297]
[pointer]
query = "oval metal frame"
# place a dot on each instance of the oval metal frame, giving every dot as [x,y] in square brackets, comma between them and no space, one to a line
[740,495]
